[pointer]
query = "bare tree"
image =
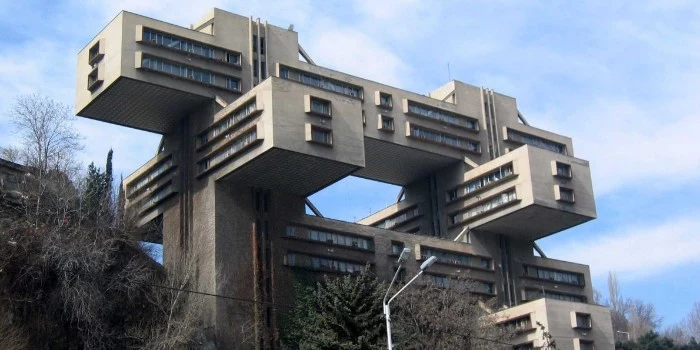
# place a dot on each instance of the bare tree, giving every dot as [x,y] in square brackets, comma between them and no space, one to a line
[451,317]
[693,322]
[642,319]
[47,135]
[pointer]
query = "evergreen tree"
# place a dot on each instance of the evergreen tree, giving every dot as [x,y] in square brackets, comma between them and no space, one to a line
[109,180]
[94,192]
[341,313]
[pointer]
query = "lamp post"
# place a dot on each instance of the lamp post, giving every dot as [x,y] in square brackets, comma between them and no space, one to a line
[627,333]
[387,312]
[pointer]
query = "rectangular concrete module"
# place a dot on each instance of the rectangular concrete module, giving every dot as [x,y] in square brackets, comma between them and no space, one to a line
[249,131]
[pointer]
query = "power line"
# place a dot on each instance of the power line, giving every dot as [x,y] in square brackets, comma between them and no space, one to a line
[244,299]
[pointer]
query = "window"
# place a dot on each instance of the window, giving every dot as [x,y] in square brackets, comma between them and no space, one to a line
[520,324]
[565,194]
[397,219]
[237,145]
[532,294]
[262,45]
[583,321]
[153,174]
[330,237]
[536,141]
[255,68]
[321,82]
[554,275]
[562,170]
[323,264]
[157,197]
[228,122]
[473,286]
[255,43]
[441,115]
[396,248]
[191,47]
[524,346]
[455,258]
[96,52]
[233,84]
[385,100]
[502,172]
[488,205]
[451,195]
[386,123]
[444,138]
[94,80]
[364,118]
[585,344]
[263,70]
[186,72]
[319,135]
[318,106]
[233,58]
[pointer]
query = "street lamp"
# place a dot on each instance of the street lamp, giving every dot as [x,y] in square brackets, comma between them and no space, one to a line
[628,334]
[387,312]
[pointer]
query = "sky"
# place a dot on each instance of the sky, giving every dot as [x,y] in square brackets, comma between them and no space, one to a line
[620,78]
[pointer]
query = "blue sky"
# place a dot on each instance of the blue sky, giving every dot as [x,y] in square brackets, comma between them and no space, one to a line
[619,77]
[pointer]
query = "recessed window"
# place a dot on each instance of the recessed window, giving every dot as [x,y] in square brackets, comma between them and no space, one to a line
[364,118]
[564,194]
[525,346]
[451,195]
[383,100]
[386,123]
[233,84]
[319,106]
[562,170]
[585,344]
[94,80]
[583,321]
[233,58]
[396,248]
[96,52]
[319,134]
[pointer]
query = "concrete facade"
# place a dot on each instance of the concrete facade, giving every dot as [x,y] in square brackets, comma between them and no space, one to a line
[250,131]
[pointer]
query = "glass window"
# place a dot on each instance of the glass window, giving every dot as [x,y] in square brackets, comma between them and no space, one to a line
[563,170]
[495,176]
[320,106]
[233,148]
[387,123]
[323,264]
[442,115]
[583,320]
[536,141]
[321,135]
[321,82]
[566,194]
[488,205]
[385,100]
[447,139]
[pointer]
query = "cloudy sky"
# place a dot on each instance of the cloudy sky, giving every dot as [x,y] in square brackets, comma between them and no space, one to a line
[620,78]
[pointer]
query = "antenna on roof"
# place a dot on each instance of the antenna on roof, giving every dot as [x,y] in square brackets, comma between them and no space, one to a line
[291,27]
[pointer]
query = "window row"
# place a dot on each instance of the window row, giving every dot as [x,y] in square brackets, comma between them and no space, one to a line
[532,294]
[393,221]
[486,206]
[456,258]
[323,264]
[318,106]
[443,138]
[183,71]
[522,323]
[157,197]
[176,43]
[229,150]
[330,237]
[555,275]
[536,141]
[471,285]
[485,180]
[234,118]
[320,82]
[442,116]
[161,168]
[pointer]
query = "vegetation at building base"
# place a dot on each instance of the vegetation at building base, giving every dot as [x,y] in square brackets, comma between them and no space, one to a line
[346,313]
[636,323]
[72,272]
[654,341]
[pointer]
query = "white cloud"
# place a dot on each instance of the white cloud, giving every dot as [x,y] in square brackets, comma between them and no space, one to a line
[356,53]
[638,251]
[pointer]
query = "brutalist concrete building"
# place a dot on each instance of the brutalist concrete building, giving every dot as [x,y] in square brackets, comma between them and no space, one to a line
[252,126]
